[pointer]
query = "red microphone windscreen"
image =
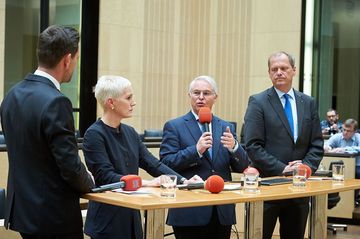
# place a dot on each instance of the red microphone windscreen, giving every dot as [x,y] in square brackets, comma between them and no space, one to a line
[132,182]
[214,184]
[205,115]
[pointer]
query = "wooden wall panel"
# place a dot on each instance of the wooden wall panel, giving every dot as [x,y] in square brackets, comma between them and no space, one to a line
[161,45]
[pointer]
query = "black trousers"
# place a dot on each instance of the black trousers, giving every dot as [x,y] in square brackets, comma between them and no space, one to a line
[292,214]
[213,230]
[77,235]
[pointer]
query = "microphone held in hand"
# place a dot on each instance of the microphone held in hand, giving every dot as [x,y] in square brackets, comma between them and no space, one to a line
[205,117]
[127,183]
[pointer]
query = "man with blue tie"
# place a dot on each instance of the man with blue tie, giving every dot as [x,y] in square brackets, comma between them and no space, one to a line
[189,151]
[282,130]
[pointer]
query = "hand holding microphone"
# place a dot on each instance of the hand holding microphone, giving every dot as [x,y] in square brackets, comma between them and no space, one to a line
[127,183]
[205,141]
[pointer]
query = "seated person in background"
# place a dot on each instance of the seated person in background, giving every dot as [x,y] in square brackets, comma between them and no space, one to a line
[113,149]
[343,142]
[188,150]
[331,125]
[347,141]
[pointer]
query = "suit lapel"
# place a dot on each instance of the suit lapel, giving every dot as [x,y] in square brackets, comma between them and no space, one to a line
[192,126]
[300,107]
[216,132]
[279,110]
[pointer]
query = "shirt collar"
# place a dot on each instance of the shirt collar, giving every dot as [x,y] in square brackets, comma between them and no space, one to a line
[280,93]
[195,115]
[49,77]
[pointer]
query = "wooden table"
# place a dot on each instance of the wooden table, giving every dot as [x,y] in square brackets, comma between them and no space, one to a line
[346,206]
[155,206]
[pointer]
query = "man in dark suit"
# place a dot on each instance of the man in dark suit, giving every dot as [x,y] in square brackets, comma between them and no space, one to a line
[184,149]
[46,176]
[277,141]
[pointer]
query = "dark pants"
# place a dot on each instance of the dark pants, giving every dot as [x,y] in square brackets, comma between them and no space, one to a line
[213,230]
[292,214]
[78,235]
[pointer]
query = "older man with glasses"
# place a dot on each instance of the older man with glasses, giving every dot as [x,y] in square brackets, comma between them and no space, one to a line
[184,148]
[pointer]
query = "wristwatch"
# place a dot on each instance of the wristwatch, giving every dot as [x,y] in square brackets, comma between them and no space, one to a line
[182,180]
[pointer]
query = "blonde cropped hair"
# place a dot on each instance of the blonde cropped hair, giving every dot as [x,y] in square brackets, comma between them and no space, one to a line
[110,86]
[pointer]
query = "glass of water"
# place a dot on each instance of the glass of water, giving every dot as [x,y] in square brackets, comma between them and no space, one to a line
[168,186]
[338,173]
[251,181]
[299,177]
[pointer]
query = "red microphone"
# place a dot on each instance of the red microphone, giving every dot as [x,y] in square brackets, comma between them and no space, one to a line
[214,184]
[205,117]
[127,183]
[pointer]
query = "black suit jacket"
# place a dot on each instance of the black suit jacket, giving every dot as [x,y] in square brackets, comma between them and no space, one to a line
[46,175]
[110,154]
[269,141]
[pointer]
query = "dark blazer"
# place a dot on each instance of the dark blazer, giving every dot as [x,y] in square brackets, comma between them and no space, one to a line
[178,150]
[110,154]
[46,175]
[269,141]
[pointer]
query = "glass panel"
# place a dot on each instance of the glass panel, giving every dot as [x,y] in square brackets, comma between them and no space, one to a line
[338,50]
[22,27]
[67,13]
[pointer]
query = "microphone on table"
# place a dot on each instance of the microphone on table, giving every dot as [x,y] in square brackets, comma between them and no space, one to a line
[205,118]
[127,183]
[213,184]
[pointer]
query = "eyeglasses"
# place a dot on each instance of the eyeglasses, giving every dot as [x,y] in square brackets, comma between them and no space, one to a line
[206,93]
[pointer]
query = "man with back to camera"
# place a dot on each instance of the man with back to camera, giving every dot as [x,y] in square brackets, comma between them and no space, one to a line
[186,149]
[331,125]
[282,130]
[46,176]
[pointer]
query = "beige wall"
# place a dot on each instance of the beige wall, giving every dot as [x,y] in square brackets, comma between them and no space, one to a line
[161,45]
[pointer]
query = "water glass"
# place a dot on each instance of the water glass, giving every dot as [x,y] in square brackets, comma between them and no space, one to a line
[338,173]
[168,186]
[251,182]
[299,177]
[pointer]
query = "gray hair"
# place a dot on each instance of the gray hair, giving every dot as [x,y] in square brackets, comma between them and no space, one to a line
[279,53]
[110,86]
[208,79]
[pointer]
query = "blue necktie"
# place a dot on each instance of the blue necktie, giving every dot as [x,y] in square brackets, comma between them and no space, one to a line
[288,112]
[209,149]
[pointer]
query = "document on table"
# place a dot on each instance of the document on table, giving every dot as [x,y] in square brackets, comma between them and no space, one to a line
[139,191]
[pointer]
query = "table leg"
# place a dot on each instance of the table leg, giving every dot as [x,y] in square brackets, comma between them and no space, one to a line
[318,217]
[253,220]
[154,224]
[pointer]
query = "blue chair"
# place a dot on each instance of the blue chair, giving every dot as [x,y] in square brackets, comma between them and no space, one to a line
[2,139]
[153,133]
